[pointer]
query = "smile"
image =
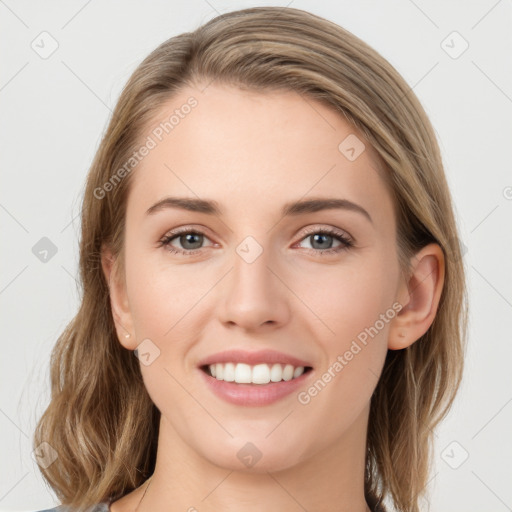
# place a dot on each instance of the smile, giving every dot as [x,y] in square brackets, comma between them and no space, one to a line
[250,394]
[242,373]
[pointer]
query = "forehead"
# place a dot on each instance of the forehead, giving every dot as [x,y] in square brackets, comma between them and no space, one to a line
[255,150]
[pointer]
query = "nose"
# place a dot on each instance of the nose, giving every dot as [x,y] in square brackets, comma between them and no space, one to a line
[254,294]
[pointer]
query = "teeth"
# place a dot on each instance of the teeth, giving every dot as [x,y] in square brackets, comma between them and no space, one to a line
[260,374]
[242,373]
[229,372]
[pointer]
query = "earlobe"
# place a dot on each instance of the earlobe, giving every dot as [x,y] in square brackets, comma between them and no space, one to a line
[419,296]
[118,300]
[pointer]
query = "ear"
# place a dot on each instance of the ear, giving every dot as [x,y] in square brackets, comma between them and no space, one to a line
[419,296]
[118,299]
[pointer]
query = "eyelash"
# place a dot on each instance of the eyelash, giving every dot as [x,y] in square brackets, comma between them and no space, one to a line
[345,240]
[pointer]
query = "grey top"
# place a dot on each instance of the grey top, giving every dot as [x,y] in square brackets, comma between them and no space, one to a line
[100,507]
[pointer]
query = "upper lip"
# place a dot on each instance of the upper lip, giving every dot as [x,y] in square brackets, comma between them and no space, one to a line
[252,358]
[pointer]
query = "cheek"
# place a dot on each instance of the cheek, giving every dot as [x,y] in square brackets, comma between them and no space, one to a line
[350,297]
[160,296]
[355,308]
[162,303]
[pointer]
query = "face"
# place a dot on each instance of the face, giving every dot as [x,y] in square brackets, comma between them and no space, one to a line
[318,286]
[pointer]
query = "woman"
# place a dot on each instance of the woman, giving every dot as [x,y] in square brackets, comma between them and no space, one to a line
[299,353]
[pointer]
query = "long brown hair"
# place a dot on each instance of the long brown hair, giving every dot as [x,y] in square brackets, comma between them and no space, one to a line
[101,422]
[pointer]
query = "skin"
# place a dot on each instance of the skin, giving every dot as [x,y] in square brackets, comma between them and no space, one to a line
[252,152]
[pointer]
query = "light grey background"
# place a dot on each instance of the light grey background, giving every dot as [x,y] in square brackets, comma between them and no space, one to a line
[54,111]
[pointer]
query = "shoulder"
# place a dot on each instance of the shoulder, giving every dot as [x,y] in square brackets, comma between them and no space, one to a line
[100,507]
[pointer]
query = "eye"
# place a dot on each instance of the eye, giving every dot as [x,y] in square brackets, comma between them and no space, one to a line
[322,239]
[190,239]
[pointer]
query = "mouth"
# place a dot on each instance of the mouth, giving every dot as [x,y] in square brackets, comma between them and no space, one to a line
[259,374]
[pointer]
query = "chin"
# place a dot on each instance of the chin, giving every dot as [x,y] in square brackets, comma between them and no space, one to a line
[256,455]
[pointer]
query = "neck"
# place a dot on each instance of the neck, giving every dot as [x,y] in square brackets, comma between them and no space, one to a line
[331,480]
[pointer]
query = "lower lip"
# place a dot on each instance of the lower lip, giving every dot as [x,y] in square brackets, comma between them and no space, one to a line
[253,394]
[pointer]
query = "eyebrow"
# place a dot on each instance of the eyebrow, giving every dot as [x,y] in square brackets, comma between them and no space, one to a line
[294,208]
